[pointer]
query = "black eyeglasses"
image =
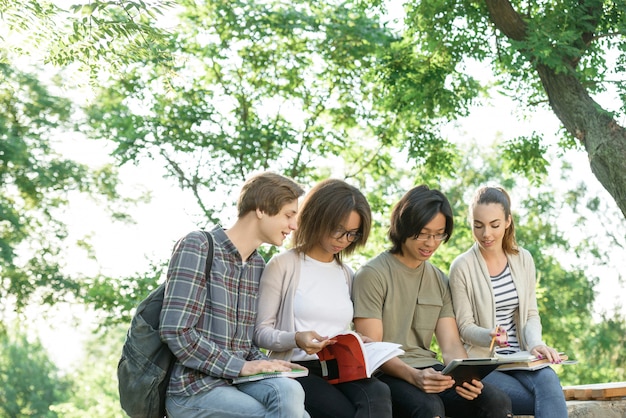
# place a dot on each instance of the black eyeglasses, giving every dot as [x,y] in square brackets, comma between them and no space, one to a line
[426,237]
[351,236]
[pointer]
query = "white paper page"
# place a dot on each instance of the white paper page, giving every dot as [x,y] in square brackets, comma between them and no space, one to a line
[379,352]
[519,356]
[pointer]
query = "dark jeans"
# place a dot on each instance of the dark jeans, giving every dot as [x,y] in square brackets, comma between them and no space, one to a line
[365,398]
[410,401]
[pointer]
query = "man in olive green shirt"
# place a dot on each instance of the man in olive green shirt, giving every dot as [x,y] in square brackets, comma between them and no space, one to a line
[400,297]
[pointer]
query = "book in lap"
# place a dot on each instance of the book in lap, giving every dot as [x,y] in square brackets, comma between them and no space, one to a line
[464,370]
[269,375]
[523,360]
[350,359]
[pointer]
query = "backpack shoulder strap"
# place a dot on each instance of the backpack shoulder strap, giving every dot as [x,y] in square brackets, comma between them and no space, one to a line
[209,258]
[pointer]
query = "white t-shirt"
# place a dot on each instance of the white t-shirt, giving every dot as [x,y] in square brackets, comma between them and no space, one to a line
[322,301]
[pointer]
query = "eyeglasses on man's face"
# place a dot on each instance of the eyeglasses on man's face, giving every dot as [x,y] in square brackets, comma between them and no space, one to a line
[426,237]
[351,236]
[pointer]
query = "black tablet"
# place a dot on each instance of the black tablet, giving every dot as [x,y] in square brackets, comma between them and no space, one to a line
[464,370]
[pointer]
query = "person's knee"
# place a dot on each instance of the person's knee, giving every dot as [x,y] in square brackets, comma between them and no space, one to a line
[550,379]
[380,390]
[292,389]
[432,406]
[495,399]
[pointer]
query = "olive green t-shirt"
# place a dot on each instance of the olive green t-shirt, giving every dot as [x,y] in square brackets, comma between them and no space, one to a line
[408,301]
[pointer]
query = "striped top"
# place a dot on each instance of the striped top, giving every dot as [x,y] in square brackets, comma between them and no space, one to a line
[507,303]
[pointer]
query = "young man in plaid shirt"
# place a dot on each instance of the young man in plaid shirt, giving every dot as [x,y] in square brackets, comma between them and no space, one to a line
[208,322]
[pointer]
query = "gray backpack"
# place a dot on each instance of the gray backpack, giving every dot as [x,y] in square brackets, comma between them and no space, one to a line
[144,369]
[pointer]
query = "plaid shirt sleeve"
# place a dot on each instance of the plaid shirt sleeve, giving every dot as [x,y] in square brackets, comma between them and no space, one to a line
[208,324]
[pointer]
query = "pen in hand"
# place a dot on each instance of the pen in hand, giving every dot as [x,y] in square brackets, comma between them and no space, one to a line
[493,341]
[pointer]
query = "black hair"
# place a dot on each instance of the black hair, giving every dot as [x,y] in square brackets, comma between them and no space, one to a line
[417,208]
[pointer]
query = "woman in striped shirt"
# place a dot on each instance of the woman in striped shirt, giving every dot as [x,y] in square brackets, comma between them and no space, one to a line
[493,292]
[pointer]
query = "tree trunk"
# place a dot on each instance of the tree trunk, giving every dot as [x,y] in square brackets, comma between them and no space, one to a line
[603,138]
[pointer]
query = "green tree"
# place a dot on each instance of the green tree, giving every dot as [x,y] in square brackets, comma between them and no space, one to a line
[318,89]
[29,381]
[94,388]
[254,86]
[220,116]
[35,185]
[601,353]
[564,52]
[85,34]
[561,54]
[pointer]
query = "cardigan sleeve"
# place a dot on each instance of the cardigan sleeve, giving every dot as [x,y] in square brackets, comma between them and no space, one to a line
[464,285]
[532,330]
[274,308]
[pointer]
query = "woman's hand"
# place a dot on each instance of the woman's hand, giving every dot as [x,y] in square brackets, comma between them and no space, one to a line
[311,342]
[499,337]
[543,351]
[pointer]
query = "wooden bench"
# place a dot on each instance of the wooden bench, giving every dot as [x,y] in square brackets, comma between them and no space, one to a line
[596,392]
[599,400]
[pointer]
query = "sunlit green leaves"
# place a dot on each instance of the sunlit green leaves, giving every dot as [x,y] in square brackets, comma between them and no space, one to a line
[95,35]
[256,86]
[94,389]
[310,89]
[114,298]
[526,156]
[29,380]
[36,183]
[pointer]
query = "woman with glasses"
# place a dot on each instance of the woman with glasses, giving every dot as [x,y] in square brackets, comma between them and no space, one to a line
[493,290]
[304,298]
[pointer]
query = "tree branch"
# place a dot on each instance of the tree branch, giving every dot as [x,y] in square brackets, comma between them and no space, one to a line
[506,19]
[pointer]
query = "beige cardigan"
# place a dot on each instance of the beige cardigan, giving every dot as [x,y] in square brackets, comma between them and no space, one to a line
[474,306]
[275,328]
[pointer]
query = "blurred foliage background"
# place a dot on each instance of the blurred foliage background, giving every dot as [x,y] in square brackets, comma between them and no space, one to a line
[211,92]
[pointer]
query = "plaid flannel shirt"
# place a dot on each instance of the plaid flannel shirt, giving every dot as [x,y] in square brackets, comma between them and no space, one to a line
[209,324]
